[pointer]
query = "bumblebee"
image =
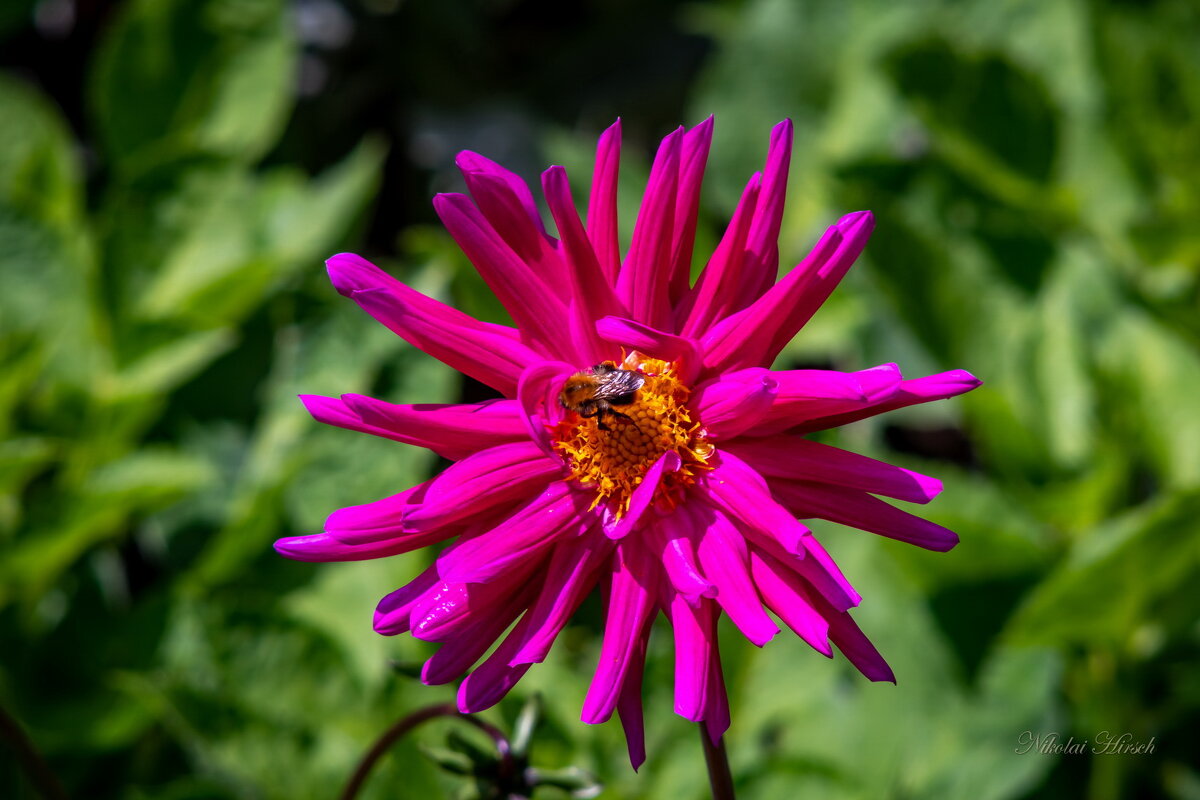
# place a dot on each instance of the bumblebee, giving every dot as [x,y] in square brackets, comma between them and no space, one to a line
[594,391]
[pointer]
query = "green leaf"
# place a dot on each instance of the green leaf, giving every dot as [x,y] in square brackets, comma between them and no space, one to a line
[177,78]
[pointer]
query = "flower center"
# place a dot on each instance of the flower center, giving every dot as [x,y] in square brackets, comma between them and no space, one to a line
[612,451]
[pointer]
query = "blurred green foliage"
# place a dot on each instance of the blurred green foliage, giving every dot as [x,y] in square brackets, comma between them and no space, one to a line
[1033,169]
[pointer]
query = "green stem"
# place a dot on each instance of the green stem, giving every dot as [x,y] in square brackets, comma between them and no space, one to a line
[719,776]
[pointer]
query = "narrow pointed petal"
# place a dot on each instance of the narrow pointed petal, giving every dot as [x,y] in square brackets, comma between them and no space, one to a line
[716,712]
[537,392]
[630,607]
[650,341]
[629,705]
[524,535]
[392,613]
[321,547]
[756,334]
[761,261]
[693,158]
[569,577]
[592,295]
[695,634]
[670,538]
[496,676]
[602,205]
[716,289]
[642,496]
[787,594]
[456,655]
[489,353]
[909,393]
[861,510]
[734,402]
[797,458]
[811,394]
[489,478]
[642,284]
[857,648]
[374,522]
[473,163]
[453,431]
[537,310]
[725,562]
[447,609]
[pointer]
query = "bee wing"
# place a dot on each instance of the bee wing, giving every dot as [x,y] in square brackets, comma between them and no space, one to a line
[620,382]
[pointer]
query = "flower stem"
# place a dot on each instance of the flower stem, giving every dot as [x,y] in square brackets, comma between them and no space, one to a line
[30,759]
[719,776]
[406,724]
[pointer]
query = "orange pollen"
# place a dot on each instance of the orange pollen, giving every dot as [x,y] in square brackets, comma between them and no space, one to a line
[614,461]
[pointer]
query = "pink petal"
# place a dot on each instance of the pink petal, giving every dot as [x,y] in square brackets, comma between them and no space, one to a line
[716,712]
[630,608]
[856,647]
[642,284]
[696,144]
[724,559]
[392,613]
[537,392]
[695,637]
[791,598]
[495,677]
[602,205]
[797,458]
[734,402]
[568,579]
[756,334]
[486,352]
[447,609]
[670,537]
[481,481]
[524,535]
[643,495]
[807,394]
[451,431]
[761,261]
[649,341]
[908,393]
[629,705]
[376,521]
[457,655]
[861,510]
[321,547]
[538,311]
[718,285]
[474,164]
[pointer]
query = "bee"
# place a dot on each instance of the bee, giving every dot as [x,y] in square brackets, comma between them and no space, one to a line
[594,391]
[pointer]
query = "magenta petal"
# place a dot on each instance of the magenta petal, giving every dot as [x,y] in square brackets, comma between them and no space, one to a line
[643,495]
[742,492]
[856,647]
[718,285]
[761,262]
[910,392]
[474,164]
[392,613]
[724,559]
[602,205]
[373,522]
[536,395]
[694,637]
[696,144]
[451,431]
[568,579]
[642,284]
[808,394]
[716,712]
[522,536]
[652,342]
[486,479]
[495,677]
[446,609]
[861,510]
[755,335]
[629,705]
[786,593]
[734,402]
[539,312]
[671,538]
[630,607]
[320,547]
[457,654]
[489,353]
[797,458]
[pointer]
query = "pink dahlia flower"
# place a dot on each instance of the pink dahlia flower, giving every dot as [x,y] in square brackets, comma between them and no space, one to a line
[673,477]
